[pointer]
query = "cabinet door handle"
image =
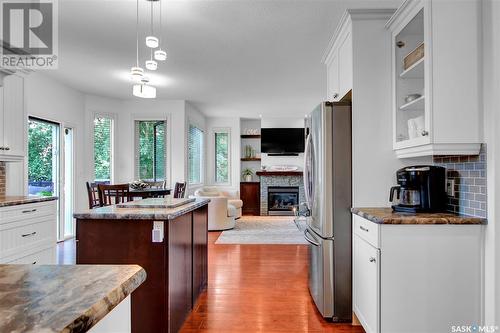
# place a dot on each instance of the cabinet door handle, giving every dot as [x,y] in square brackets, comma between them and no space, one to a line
[29,211]
[34,262]
[2,148]
[7,148]
[335,95]
[29,235]
[363,228]
[425,133]
[372,259]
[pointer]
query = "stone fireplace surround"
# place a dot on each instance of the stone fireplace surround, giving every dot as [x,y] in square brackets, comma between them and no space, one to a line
[279,179]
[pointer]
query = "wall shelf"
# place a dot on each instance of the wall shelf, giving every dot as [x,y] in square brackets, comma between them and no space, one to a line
[250,136]
[415,71]
[417,104]
[250,159]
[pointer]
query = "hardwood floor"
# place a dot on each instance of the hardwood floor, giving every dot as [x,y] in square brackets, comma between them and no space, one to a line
[258,288]
[251,288]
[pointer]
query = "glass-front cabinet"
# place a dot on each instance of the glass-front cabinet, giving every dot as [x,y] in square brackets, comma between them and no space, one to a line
[435,79]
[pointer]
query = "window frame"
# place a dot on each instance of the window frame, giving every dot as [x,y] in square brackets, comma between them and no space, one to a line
[202,157]
[136,143]
[222,130]
[111,116]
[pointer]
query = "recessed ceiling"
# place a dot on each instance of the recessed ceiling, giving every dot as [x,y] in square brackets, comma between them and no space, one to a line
[241,58]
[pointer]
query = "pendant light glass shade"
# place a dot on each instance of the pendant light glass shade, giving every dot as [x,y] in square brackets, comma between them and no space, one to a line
[152,42]
[151,65]
[137,73]
[160,55]
[144,91]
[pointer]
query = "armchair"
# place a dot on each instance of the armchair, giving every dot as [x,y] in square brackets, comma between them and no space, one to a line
[221,214]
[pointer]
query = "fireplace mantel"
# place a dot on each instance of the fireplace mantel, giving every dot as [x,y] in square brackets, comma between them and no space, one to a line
[279,173]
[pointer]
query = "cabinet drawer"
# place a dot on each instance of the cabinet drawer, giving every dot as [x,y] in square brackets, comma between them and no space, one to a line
[26,235]
[367,230]
[44,257]
[27,211]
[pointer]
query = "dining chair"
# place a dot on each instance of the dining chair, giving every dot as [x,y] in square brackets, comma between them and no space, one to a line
[114,194]
[180,190]
[93,195]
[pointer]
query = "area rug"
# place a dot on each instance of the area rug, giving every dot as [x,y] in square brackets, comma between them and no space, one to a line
[263,230]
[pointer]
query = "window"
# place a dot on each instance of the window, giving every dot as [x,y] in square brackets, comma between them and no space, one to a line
[150,148]
[103,149]
[195,155]
[221,139]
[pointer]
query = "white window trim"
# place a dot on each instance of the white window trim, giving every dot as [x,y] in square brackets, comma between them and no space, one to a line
[113,118]
[227,130]
[203,154]
[148,117]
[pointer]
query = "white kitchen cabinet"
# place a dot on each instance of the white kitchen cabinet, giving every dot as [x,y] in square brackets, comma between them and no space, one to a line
[367,292]
[13,119]
[338,61]
[416,278]
[28,233]
[445,119]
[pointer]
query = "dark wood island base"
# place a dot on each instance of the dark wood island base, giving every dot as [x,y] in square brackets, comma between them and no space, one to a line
[176,265]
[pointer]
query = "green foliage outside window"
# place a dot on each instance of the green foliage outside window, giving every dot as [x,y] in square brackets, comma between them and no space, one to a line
[102,148]
[40,151]
[221,157]
[152,150]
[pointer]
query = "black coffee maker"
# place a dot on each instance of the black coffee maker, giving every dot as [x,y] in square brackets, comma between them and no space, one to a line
[420,188]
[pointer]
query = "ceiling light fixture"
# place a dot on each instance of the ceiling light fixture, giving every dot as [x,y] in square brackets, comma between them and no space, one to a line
[144,90]
[151,64]
[151,40]
[160,54]
[137,72]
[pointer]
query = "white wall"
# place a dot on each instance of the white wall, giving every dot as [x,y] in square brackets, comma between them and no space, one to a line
[283,123]
[491,100]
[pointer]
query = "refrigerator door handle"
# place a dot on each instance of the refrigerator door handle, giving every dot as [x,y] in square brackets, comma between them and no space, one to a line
[310,240]
[307,171]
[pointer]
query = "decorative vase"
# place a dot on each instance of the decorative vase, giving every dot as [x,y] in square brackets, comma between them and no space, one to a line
[248,178]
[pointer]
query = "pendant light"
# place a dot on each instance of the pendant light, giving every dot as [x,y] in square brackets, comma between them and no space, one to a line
[143,89]
[137,72]
[151,40]
[151,64]
[160,55]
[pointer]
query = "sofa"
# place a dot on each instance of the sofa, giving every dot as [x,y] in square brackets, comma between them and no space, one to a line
[224,207]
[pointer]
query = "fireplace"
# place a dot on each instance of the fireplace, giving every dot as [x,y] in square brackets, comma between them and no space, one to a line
[281,200]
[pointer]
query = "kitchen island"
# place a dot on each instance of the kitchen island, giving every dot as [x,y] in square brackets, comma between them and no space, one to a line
[67,298]
[169,243]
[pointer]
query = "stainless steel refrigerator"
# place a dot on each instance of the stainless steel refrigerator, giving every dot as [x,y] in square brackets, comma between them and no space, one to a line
[327,185]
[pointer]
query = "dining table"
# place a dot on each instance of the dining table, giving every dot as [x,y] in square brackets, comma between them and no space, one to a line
[149,192]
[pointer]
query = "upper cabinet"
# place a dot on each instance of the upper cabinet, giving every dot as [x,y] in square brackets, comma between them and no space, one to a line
[338,61]
[13,118]
[436,77]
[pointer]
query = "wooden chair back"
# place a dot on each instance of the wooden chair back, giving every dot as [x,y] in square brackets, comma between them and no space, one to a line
[114,194]
[180,190]
[93,195]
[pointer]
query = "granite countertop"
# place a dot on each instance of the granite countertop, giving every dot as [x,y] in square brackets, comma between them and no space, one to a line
[21,200]
[387,216]
[144,213]
[64,298]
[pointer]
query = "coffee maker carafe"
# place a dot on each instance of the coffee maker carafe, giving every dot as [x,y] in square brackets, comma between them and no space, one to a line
[420,189]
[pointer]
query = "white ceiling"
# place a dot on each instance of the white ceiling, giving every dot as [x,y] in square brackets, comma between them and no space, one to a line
[241,58]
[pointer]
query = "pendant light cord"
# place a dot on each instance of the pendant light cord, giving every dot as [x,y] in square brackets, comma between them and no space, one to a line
[137,34]
[161,30]
[152,34]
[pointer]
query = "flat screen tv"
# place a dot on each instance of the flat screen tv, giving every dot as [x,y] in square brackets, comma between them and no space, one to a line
[282,140]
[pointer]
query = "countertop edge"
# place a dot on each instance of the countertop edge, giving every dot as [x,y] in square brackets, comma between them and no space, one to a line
[403,218]
[102,308]
[155,215]
[27,200]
